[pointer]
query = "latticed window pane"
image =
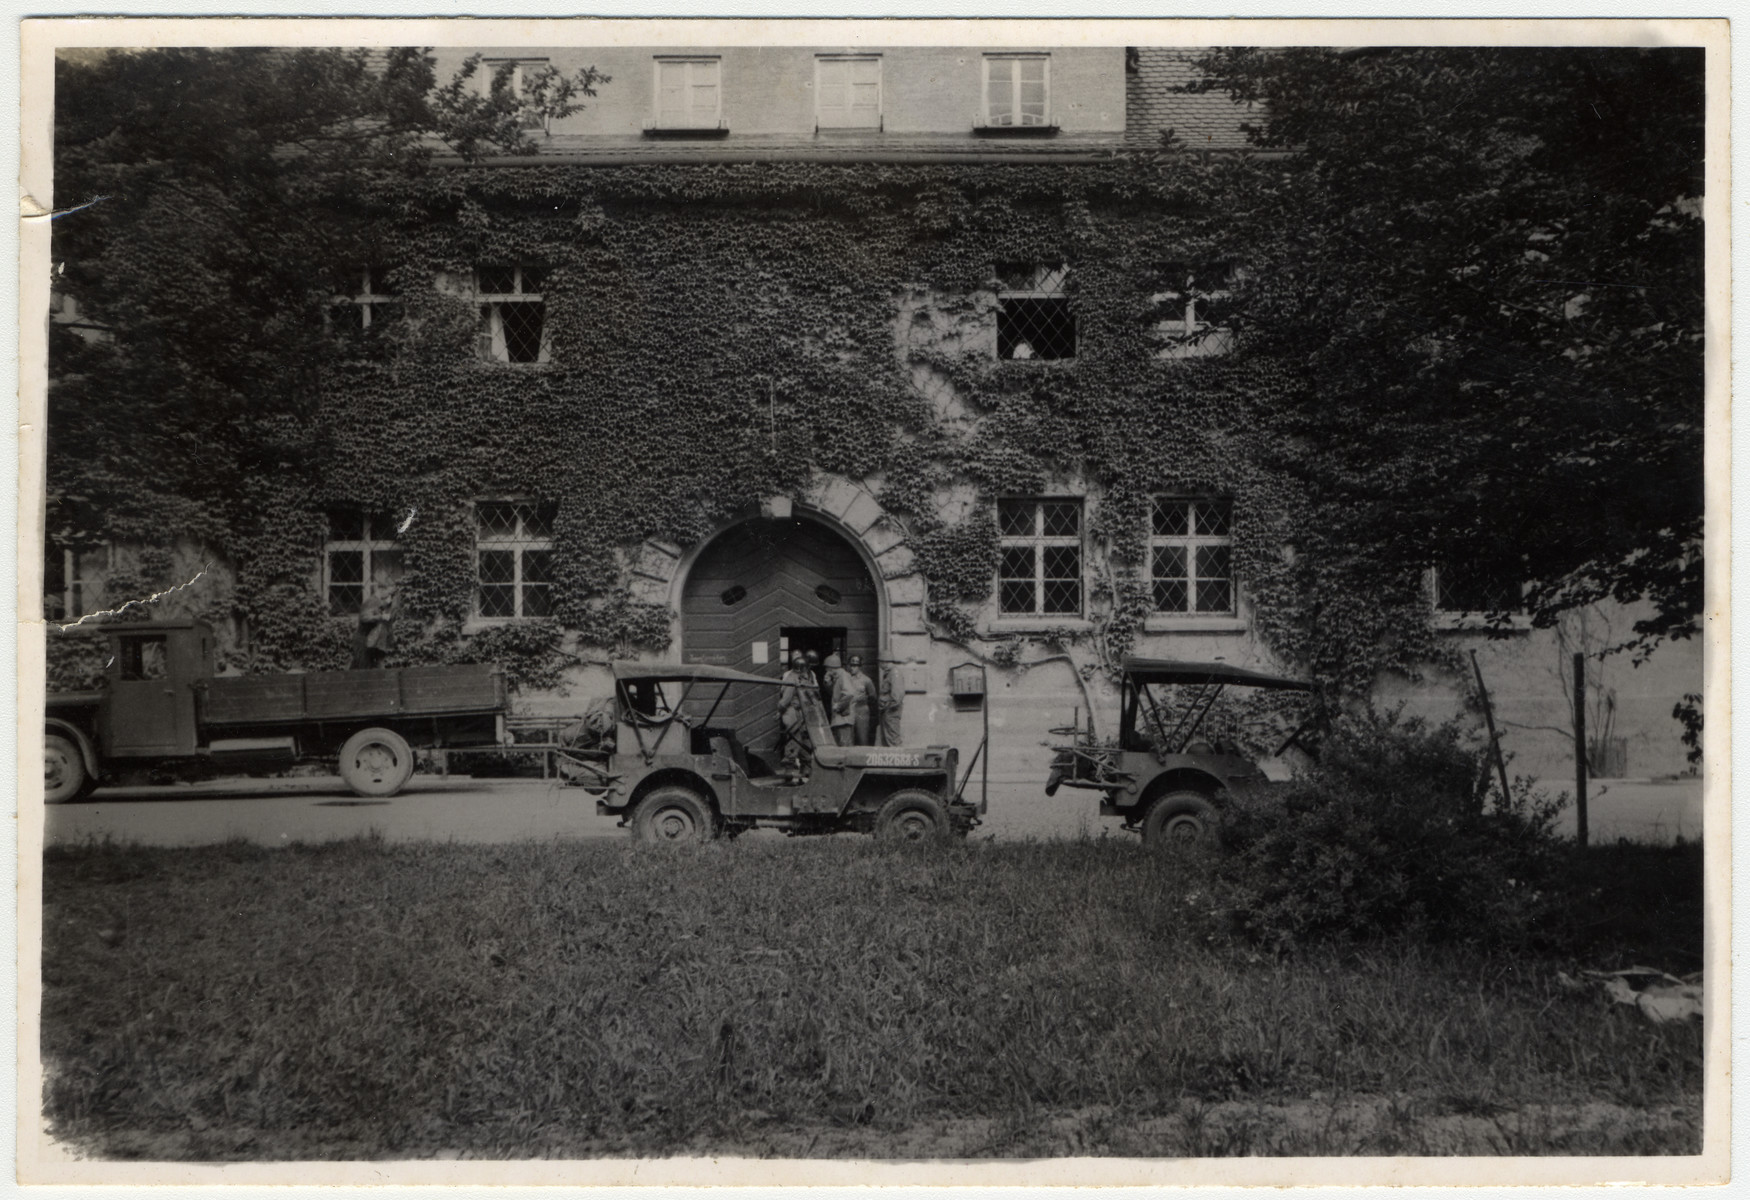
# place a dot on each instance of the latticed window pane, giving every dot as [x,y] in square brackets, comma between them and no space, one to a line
[1018,562]
[1172,590]
[537,519]
[1467,589]
[496,520]
[1034,318]
[1016,596]
[1062,518]
[1062,597]
[1015,517]
[1172,518]
[1063,562]
[537,584]
[1191,556]
[346,581]
[521,323]
[1214,518]
[1172,596]
[1212,562]
[1214,579]
[1063,579]
[1214,596]
[1018,588]
[498,583]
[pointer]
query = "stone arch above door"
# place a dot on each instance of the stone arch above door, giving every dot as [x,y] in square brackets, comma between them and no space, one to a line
[659,568]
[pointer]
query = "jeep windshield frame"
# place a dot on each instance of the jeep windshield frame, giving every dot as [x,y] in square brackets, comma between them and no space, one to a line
[1142,675]
[645,705]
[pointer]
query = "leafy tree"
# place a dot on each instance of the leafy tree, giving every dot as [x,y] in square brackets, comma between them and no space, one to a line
[1487,267]
[231,195]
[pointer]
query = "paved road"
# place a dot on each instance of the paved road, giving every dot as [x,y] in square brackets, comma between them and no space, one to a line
[281,811]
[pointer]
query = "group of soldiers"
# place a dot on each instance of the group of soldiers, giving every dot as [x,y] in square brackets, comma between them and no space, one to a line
[857,706]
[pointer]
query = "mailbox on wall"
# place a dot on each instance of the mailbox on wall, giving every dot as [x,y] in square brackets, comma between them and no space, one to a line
[966,682]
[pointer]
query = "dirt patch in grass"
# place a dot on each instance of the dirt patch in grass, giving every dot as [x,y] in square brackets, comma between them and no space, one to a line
[816,999]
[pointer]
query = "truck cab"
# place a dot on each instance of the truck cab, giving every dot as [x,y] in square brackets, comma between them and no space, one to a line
[142,709]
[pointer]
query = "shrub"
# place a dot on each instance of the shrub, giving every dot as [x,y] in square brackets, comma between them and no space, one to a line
[1389,834]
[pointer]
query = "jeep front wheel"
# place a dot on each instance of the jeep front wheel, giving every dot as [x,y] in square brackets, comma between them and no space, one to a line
[912,816]
[1181,820]
[674,814]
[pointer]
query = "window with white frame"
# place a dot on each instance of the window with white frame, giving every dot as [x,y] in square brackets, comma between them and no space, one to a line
[1475,589]
[517,73]
[847,91]
[513,313]
[513,552]
[1017,91]
[1191,556]
[72,579]
[360,560]
[1193,310]
[689,93]
[1034,317]
[1039,570]
[365,299]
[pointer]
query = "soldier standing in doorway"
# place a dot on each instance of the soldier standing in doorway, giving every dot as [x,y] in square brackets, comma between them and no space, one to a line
[860,690]
[792,721]
[839,702]
[889,701]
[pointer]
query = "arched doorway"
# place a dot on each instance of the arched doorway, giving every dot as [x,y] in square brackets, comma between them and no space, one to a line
[763,587]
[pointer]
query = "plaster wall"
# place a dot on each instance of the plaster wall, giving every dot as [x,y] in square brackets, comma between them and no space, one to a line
[770,89]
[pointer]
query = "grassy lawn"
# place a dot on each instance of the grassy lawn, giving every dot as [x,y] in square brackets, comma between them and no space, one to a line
[816,998]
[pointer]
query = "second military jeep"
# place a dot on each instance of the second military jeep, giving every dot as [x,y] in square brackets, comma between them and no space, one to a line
[1162,775]
[676,769]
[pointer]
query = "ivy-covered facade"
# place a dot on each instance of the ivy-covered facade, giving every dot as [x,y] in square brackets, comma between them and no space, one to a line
[929,336]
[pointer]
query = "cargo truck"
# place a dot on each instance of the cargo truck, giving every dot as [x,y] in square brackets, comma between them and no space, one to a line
[160,705]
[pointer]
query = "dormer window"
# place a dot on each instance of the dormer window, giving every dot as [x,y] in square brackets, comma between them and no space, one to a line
[1017,91]
[519,71]
[847,91]
[689,94]
[513,313]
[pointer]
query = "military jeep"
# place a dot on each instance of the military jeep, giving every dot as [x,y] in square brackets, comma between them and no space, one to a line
[1162,776]
[675,771]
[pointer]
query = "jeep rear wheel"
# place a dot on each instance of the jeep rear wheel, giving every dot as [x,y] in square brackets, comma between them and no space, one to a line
[1183,820]
[674,814]
[912,816]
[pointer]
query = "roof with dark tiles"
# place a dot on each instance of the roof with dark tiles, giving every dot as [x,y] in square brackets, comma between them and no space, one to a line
[584,149]
[1209,121]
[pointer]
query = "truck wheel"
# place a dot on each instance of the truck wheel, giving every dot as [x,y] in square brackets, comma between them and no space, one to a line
[1181,820]
[674,814]
[912,816]
[376,762]
[64,774]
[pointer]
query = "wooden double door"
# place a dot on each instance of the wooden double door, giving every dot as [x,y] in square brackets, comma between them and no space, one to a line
[764,588]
